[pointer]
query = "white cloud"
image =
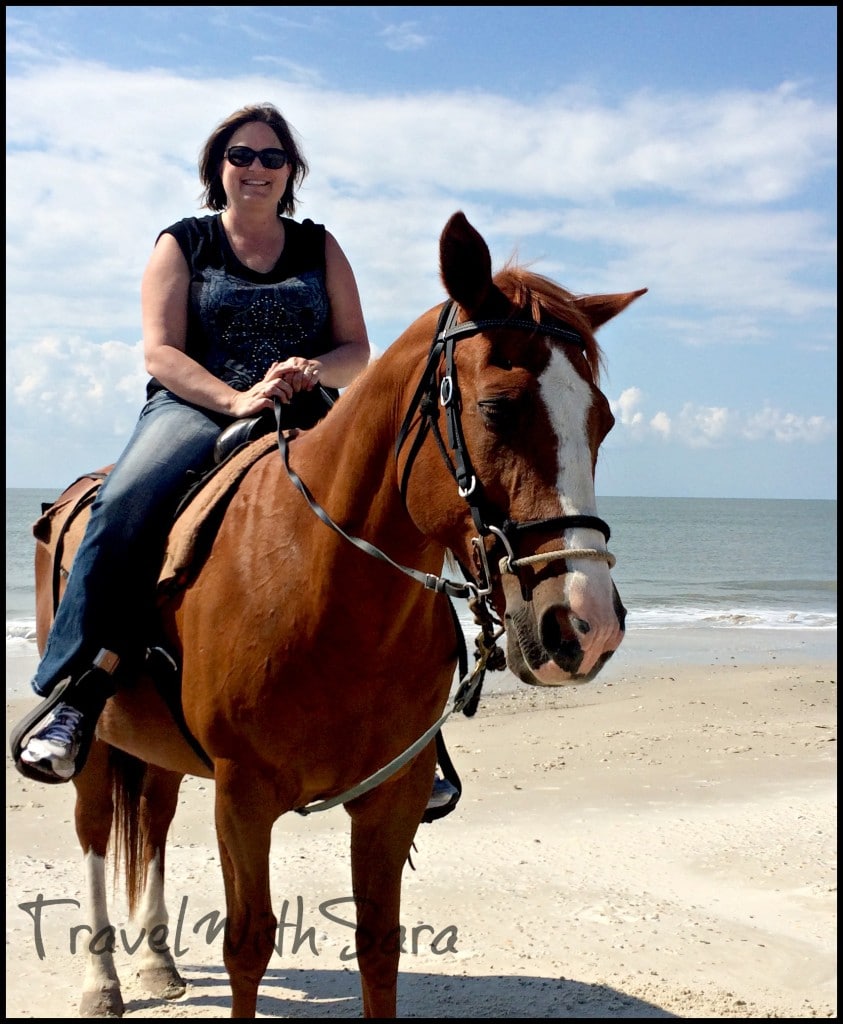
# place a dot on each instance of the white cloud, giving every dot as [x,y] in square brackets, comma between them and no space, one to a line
[703,425]
[787,427]
[626,407]
[404,36]
[661,424]
[699,426]
[706,201]
[82,385]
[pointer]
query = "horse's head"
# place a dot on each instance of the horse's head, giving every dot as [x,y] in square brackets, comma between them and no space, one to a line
[513,368]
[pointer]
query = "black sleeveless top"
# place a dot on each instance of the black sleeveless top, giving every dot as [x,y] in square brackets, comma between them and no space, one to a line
[240,321]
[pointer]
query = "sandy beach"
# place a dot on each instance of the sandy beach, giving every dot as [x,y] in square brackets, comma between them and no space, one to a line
[658,843]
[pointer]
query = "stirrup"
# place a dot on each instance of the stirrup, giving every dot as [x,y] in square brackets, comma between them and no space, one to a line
[27,725]
[100,676]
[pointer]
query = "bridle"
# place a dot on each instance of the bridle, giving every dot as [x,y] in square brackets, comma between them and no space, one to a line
[458,461]
[486,521]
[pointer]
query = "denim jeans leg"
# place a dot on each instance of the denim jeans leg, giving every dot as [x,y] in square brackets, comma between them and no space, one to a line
[110,591]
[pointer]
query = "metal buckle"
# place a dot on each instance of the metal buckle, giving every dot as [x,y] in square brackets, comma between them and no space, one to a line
[484,587]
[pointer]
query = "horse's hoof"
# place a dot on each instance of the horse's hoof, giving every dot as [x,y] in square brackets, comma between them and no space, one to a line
[107,1003]
[163,982]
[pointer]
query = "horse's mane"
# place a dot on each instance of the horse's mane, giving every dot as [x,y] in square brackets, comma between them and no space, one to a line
[539,295]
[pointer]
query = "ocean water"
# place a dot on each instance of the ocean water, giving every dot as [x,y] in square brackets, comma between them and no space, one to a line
[709,566]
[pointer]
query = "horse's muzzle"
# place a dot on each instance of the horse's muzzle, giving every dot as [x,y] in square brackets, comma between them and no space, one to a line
[551,645]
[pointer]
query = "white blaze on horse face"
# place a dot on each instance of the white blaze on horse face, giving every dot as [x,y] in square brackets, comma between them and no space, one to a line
[568,400]
[588,586]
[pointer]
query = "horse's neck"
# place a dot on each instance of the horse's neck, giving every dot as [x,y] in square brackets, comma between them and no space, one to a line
[348,463]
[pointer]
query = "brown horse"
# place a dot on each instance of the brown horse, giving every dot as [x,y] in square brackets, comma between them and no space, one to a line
[473,438]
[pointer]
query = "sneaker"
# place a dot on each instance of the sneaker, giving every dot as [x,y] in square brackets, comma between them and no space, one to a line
[443,793]
[54,749]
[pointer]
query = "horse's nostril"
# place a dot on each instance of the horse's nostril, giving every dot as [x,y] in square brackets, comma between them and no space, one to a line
[551,633]
[559,635]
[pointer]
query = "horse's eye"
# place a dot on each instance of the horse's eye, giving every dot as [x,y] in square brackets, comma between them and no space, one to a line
[501,362]
[498,413]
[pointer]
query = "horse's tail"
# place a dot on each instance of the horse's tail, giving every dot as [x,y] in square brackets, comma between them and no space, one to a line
[128,774]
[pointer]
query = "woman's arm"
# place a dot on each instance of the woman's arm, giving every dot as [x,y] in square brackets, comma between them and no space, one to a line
[351,351]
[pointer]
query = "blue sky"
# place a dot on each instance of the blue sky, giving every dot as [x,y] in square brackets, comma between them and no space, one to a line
[689,150]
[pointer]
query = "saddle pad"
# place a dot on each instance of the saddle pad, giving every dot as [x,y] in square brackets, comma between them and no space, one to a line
[60,527]
[194,529]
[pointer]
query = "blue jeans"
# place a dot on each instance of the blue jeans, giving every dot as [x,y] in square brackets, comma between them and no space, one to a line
[110,594]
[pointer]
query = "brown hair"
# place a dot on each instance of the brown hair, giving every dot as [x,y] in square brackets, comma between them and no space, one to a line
[213,196]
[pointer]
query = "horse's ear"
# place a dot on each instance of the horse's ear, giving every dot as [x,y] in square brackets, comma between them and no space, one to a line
[465,266]
[597,309]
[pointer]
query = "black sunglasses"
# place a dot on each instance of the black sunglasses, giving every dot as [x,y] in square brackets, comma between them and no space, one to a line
[243,156]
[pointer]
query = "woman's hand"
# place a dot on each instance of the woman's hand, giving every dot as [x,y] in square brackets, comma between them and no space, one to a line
[301,374]
[282,380]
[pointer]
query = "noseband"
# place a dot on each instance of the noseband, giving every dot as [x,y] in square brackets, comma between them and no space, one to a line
[448,333]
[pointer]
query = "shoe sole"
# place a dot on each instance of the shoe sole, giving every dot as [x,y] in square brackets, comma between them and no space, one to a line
[46,772]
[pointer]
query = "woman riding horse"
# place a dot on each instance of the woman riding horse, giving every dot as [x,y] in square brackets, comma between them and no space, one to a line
[241,308]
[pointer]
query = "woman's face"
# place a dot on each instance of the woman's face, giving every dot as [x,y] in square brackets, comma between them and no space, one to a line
[253,183]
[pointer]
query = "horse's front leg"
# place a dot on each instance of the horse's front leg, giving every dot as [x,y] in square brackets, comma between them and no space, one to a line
[94,813]
[384,823]
[159,798]
[245,813]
